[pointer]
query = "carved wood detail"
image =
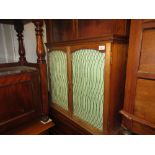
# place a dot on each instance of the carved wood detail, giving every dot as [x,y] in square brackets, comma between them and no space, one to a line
[19,27]
[39,41]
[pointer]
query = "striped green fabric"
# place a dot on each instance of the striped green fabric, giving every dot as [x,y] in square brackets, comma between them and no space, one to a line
[88,86]
[58,77]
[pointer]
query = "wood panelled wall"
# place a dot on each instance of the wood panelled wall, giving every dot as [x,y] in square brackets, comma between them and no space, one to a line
[60,30]
[139,103]
[85,33]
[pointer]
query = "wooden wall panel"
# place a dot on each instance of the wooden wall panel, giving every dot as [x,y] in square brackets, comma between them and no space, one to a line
[145,100]
[19,97]
[93,28]
[99,27]
[63,30]
[139,103]
[143,129]
[11,94]
[147,63]
[118,67]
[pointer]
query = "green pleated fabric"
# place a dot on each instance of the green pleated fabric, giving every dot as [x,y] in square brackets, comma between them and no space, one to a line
[58,77]
[88,86]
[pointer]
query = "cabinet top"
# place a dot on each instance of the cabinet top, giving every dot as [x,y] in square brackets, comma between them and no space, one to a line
[62,30]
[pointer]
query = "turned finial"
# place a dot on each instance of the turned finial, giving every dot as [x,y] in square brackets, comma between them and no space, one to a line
[19,27]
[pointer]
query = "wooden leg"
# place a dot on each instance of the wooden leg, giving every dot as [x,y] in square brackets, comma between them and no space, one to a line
[42,67]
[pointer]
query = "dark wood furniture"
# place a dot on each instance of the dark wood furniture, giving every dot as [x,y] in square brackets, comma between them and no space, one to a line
[23,89]
[33,127]
[139,104]
[61,30]
[72,35]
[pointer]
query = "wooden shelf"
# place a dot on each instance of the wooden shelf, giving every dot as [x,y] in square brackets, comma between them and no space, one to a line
[32,128]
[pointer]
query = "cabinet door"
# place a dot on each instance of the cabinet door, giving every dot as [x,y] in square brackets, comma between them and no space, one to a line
[88,86]
[57,63]
[76,76]
[139,103]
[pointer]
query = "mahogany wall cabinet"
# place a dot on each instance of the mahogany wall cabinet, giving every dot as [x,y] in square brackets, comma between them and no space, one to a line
[86,63]
[139,104]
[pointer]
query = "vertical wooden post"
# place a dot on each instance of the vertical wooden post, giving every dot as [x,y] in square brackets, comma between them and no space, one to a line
[106,89]
[43,68]
[70,85]
[19,27]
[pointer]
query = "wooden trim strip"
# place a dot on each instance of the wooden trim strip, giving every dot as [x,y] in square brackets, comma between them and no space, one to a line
[146,75]
[60,109]
[63,49]
[148,25]
[92,46]
[131,117]
[34,127]
[106,38]
[70,85]
[12,64]
[17,117]
[106,88]
[148,20]
[74,48]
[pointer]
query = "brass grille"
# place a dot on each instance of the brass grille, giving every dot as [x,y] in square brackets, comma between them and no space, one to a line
[88,86]
[58,78]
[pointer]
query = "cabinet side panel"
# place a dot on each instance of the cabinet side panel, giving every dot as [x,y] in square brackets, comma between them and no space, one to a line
[117,83]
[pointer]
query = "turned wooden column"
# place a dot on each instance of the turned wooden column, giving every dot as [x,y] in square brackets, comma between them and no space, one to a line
[19,27]
[42,66]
